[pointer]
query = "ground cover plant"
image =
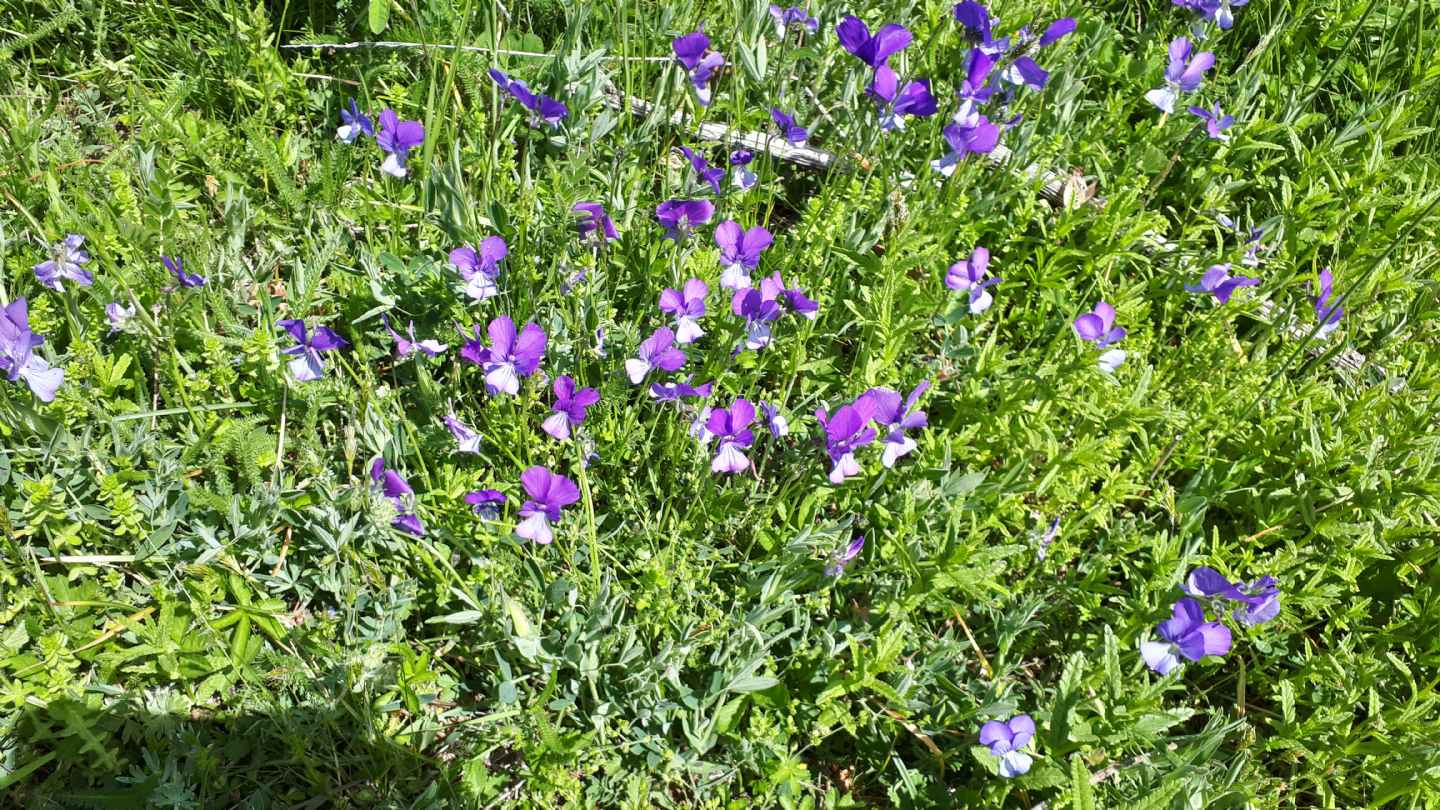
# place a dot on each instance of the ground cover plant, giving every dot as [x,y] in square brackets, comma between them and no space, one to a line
[636,404]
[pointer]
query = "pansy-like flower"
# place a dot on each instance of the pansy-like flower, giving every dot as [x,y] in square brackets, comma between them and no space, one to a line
[740,174]
[1216,121]
[396,138]
[896,102]
[406,345]
[1098,327]
[1259,601]
[1186,635]
[480,269]
[307,364]
[775,421]
[569,408]
[1005,739]
[486,503]
[18,359]
[118,315]
[874,50]
[974,88]
[899,417]
[1329,316]
[65,264]
[759,311]
[846,431]
[177,268]
[732,427]
[793,133]
[509,356]
[599,341]
[1220,12]
[773,288]
[968,275]
[688,307]
[594,223]
[467,438]
[740,251]
[976,19]
[841,558]
[707,173]
[656,351]
[793,16]
[549,493]
[1043,546]
[1182,74]
[397,491]
[978,136]
[1218,282]
[680,217]
[543,109]
[693,53]
[677,391]
[354,123]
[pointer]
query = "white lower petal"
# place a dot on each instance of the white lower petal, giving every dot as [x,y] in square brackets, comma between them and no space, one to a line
[636,369]
[535,528]
[392,166]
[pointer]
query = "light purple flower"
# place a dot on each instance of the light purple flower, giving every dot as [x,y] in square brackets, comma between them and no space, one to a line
[793,133]
[466,437]
[774,420]
[397,491]
[64,264]
[978,136]
[549,493]
[486,503]
[968,275]
[177,268]
[1005,739]
[1098,327]
[896,102]
[708,174]
[656,351]
[119,315]
[740,174]
[594,220]
[1220,12]
[408,345]
[1182,74]
[680,217]
[1259,601]
[739,252]
[845,432]
[792,16]
[1047,538]
[396,138]
[509,357]
[890,412]
[1329,316]
[676,391]
[569,408]
[307,364]
[874,50]
[480,270]
[842,558]
[543,109]
[18,359]
[688,307]
[1218,282]
[1186,635]
[732,427]
[772,287]
[354,124]
[1216,121]
[693,53]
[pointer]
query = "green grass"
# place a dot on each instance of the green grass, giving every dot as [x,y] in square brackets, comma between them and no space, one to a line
[204,604]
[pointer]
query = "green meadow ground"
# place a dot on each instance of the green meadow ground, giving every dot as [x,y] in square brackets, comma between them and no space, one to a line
[203,604]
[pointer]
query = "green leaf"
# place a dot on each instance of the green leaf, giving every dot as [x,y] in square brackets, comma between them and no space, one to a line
[459,617]
[751,683]
[379,15]
[1082,794]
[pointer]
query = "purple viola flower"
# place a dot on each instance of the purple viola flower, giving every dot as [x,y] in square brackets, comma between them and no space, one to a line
[974,88]
[688,307]
[1187,635]
[732,427]
[407,345]
[397,138]
[543,109]
[680,217]
[1259,601]
[698,431]
[599,341]
[18,359]
[480,269]
[1057,31]
[845,432]
[549,493]
[899,417]
[792,16]
[1182,74]
[1098,327]
[64,264]
[793,133]
[773,288]
[693,53]
[1216,121]
[1220,12]
[509,356]
[841,559]
[177,267]
[397,491]
[354,123]
[119,315]
[1026,71]
[466,437]
[874,50]
[775,421]
[486,503]
[1047,538]
[759,311]
[569,408]
[656,351]
[968,275]
[1218,282]
[740,251]
[676,391]
[707,173]
[976,19]
[896,102]
[307,364]
[1005,739]
[976,137]
[1329,316]
[740,174]
[594,221]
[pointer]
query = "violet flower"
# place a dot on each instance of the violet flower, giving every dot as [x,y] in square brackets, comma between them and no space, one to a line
[759,311]
[1187,635]
[18,359]
[543,109]
[569,408]
[594,220]
[693,53]
[896,102]
[408,345]
[466,437]
[676,391]
[1259,601]
[1098,327]
[976,19]
[1329,316]
[680,217]
[978,136]
[397,491]
[793,133]
[1220,12]
[509,357]
[845,432]
[1218,282]
[549,493]
[968,275]
[1182,74]
[899,417]
[688,307]
[480,270]
[307,364]
[740,175]
[177,268]
[656,351]
[119,315]
[1216,122]
[775,421]
[64,264]
[1005,739]
[792,16]
[739,252]
[732,427]
[874,50]
[354,124]
[772,287]
[702,167]
[486,503]
[397,138]
[1047,538]
[842,558]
